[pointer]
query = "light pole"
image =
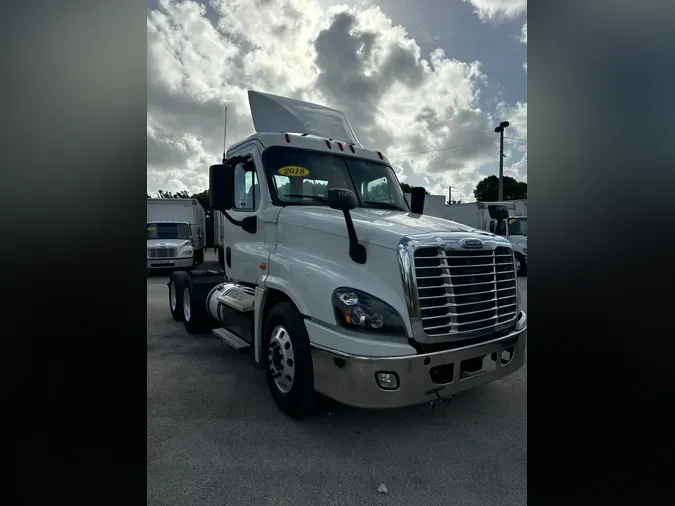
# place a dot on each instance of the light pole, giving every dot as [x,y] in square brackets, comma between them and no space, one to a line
[500,130]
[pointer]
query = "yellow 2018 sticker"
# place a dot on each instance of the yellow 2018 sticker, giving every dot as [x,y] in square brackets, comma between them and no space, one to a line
[293,170]
[152,228]
[512,220]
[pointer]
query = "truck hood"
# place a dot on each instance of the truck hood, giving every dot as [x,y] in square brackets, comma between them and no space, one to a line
[374,226]
[167,243]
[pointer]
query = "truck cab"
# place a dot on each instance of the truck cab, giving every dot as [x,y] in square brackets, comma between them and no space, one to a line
[169,245]
[338,286]
[515,230]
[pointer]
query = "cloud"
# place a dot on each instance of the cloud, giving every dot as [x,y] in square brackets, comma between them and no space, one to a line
[488,10]
[354,59]
[523,34]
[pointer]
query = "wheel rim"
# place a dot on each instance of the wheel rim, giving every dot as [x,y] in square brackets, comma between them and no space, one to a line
[172,296]
[517,264]
[186,305]
[281,359]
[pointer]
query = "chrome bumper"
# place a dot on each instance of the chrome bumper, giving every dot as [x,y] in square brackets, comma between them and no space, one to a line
[351,379]
[169,263]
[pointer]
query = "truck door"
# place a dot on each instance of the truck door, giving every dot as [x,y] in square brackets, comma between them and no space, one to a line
[244,251]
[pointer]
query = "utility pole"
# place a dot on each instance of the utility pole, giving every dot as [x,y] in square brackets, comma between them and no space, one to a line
[500,130]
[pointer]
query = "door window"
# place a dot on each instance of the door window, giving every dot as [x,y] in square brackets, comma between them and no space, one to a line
[247,189]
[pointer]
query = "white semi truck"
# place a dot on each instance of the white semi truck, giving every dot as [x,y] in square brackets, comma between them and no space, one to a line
[176,233]
[476,215]
[339,287]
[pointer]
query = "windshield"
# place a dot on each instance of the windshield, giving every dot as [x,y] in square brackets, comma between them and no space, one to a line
[168,231]
[304,178]
[518,226]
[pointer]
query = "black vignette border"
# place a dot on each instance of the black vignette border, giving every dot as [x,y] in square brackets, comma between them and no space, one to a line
[74,310]
[600,261]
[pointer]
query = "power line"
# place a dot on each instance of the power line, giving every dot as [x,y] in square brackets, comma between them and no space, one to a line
[515,139]
[442,149]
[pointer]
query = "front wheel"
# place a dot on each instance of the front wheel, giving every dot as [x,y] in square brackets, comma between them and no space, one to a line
[521,265]
[287,354]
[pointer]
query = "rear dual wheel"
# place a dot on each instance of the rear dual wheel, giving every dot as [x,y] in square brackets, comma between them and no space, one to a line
[195,316]
[177,283]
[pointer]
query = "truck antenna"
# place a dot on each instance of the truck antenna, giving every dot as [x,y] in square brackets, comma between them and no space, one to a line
[225,137]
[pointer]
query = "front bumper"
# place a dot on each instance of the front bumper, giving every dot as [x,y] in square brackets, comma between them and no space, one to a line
[170,263]
[350,379]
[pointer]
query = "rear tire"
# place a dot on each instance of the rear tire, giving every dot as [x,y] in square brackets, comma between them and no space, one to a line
[195,316]
[521,265]
[288,363]
[176,285]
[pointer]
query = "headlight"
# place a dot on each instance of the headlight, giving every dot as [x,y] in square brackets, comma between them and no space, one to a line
[359,311]
[187,252]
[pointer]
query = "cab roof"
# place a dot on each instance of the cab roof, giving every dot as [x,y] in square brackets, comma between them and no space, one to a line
[310,142]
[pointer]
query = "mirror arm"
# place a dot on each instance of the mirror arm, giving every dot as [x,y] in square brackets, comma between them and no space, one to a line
[234,222]
[357,252]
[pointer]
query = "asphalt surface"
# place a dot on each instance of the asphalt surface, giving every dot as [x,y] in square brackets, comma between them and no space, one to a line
[215,436]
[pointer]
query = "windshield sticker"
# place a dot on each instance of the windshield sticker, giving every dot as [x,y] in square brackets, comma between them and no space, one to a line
[293,170]
[512,220]
[152,228]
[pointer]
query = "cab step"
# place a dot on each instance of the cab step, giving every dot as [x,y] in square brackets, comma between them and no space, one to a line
[230,338]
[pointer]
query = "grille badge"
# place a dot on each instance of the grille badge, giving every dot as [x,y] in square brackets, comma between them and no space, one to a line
[470,243]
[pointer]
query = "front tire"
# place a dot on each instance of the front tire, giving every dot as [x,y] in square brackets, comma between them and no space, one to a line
[521,265]
[288,361]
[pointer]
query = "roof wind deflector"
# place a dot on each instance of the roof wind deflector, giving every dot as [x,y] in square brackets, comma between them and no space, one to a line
[271,113]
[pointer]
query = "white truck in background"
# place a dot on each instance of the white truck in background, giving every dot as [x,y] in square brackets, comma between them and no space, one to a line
[175,233]
[336,284]
[476,215]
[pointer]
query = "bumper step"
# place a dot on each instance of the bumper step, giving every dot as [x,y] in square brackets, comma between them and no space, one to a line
[232,339]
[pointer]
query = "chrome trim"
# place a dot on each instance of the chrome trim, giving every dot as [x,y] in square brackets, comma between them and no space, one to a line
[521,325]
[448,241]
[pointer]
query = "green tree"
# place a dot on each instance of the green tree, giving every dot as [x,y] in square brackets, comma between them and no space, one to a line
[487,190]
[407,188]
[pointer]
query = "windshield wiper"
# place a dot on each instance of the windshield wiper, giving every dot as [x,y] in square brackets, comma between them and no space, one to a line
[383,205]
[313,197]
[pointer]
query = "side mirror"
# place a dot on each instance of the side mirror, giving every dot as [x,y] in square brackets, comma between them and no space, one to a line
[417,196]
[498,212]
[339,198]
[221,187]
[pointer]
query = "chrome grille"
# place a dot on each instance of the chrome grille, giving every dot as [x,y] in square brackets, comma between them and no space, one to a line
[466,292]
[161,252]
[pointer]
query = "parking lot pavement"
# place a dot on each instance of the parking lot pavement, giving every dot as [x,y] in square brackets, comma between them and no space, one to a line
[215,436]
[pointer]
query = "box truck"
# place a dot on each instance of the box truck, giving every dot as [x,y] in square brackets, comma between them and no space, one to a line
[176,233]
[476,215]
[337,285]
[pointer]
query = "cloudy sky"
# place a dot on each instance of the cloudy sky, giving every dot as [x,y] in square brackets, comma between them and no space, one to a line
[425,82]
